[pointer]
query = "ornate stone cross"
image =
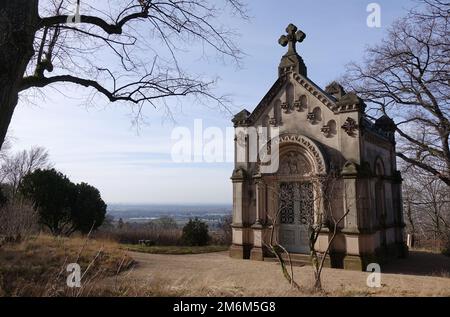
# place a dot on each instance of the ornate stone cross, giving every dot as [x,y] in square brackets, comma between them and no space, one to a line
[293,36]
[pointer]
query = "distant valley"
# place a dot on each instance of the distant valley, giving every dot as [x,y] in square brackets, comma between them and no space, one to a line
[139,213]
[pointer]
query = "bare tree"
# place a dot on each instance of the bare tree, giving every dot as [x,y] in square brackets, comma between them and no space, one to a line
[15,167]
[320,213]
[328,215]
[124,50]
[427,201]
[406,77]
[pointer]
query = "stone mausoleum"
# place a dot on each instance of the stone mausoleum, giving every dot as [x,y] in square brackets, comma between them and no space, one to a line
[320,132]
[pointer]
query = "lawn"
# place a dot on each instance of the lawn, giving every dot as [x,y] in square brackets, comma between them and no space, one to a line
[175,250]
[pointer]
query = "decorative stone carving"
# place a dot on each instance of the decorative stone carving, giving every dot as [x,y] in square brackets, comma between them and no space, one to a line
[350,126]
[294,163]
[273,122]
[286,107]
[239,174]
[310,146]
[329,130]
[326,130]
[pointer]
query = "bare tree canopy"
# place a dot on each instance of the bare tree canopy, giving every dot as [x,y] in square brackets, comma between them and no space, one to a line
[16,166]
[406,77]
[124,50]
[427,206]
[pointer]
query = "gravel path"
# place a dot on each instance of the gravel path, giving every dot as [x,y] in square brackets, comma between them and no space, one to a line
[215,274]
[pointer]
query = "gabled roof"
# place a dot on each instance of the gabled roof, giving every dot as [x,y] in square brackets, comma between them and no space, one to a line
[349,102]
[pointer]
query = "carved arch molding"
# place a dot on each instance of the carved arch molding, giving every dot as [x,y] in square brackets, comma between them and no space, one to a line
[311,149]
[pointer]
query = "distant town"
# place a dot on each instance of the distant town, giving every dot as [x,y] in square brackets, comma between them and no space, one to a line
[211,214]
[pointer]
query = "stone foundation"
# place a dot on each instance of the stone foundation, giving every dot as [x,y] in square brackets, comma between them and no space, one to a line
[334,260]
[241,252]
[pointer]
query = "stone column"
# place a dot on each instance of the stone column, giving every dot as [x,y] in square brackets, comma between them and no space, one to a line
[257,228]
[352,234]
[350,174]
[239,248]
[260,200]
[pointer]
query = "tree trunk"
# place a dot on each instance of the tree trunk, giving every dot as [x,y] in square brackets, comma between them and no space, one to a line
[18,24]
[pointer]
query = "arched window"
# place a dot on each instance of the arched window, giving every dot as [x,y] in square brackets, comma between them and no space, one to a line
[290,94]
[304,102]
[277,111]
[379,167]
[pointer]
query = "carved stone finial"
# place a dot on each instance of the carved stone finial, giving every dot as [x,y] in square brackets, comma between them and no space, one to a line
[291,61]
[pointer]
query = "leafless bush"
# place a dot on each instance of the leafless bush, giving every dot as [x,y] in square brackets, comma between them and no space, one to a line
[18,220]
[223,235]
[321,213]
[132,235]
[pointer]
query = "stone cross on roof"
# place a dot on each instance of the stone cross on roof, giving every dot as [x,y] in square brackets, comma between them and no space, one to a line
[291,61]
[293,36]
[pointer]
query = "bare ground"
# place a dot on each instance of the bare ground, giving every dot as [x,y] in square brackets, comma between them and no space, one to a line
[215,274]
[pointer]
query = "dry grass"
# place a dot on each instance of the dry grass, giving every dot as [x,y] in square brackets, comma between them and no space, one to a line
[37,267]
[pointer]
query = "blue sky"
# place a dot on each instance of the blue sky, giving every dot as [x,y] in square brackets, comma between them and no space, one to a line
[99,145]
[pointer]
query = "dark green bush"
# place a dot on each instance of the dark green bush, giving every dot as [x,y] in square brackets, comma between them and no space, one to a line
[195,233]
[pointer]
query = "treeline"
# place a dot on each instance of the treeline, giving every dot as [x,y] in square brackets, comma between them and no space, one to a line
[34,196]
[166,232]
[426,208]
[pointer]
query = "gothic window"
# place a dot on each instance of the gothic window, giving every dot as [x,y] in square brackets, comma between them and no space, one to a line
[276,117]
[290,94]
[301,103]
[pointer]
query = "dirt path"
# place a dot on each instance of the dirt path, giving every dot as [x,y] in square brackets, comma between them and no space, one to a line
[215,274]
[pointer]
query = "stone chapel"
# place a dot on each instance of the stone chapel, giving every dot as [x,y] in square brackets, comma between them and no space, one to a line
[320,132]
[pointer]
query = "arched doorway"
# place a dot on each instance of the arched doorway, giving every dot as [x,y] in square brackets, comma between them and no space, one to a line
[295,199]
[294,190]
